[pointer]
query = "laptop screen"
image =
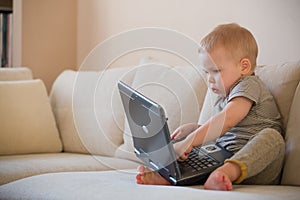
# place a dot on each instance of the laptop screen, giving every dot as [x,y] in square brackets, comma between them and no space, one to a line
[149,129]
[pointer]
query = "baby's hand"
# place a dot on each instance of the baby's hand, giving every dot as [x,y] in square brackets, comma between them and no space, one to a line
[183,148]
[184,130]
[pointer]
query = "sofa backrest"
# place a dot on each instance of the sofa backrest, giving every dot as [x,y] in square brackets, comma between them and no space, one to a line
[87,111]
[283,82]
[91,119]
[90,115]
[15,73]
[291,173]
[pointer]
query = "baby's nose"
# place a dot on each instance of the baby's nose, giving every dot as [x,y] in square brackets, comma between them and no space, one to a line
[211,79]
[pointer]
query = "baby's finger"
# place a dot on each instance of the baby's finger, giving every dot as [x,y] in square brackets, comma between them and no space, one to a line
[183,157]
[174,134]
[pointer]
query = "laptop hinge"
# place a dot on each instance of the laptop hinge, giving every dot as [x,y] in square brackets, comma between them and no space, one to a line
[173,180]
[137,151]
[153,165]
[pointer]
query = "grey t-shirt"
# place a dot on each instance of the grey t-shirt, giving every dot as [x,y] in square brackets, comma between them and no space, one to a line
[263,113]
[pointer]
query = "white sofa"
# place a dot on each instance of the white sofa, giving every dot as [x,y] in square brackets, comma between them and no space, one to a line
[76,144]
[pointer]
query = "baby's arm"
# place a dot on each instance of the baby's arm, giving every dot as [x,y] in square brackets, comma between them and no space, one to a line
[216,126]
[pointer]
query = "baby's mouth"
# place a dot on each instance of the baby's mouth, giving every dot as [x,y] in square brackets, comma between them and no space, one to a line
[215,90]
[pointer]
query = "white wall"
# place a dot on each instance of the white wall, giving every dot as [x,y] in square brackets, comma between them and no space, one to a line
[274,23]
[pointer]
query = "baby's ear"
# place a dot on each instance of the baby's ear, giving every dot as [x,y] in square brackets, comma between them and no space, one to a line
[246,68]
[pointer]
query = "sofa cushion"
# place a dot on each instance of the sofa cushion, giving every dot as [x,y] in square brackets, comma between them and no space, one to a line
[27,121]
[16,167]
[179,90]
[282,80]
[15,73]
[61,102]
[291,173]
[122,185]
[88,110]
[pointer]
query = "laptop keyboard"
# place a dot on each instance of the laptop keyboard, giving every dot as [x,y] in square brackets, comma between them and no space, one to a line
[199,162]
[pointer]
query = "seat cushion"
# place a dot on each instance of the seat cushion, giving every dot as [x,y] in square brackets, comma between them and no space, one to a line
[27,121]
[122,185]
[20,166]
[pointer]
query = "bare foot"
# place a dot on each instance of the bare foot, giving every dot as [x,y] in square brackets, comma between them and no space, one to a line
[146,176]
[222,178]
[218,180]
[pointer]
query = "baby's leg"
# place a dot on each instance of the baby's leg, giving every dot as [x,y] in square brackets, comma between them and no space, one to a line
[222,178]
[261,160]
[146,176]
[263,156]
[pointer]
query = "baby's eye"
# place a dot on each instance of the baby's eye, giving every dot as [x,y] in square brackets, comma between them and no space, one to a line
[206,72]
[216,71]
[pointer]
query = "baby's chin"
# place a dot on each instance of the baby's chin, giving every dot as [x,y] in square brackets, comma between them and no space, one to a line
[218,92]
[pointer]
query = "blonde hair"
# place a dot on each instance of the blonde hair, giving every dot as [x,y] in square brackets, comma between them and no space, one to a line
[235,39]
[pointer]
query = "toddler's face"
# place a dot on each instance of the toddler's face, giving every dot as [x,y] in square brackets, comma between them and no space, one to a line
[223,72]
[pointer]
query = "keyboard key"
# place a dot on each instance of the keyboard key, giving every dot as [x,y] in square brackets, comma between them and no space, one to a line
[198,161]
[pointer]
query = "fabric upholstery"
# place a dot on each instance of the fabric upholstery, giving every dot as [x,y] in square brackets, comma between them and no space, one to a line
[88,110]
[15,73]
[120,184]
[27,121]
[282,80]
[291,173]
[20,166]
[80,133]
[61,102]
